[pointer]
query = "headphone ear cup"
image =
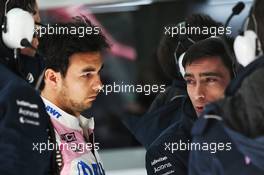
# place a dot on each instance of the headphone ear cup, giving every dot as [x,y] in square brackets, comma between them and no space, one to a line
[19,25]
[181,68]
[245,47]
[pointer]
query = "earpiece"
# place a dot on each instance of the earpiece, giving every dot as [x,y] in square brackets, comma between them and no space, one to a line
[17,25]
[182,71]
[185,42]
[247,45]
[178,60]
[235,64]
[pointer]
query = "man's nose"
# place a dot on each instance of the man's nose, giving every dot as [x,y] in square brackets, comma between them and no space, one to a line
[199,92]
[97,85]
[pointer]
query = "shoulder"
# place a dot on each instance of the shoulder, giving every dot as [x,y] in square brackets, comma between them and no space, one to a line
[251,70]
[165,153]
[172,133]
[22,105]
[166,158]
[204,124]
[159,160]
[16,90]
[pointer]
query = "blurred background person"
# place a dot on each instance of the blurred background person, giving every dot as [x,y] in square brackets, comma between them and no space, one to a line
[24,122]
[165,109]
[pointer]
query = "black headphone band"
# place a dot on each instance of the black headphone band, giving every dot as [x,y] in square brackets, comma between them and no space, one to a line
[6,6]
[185,42]
[230,54]
[245,26]
[234,63]
[4,25]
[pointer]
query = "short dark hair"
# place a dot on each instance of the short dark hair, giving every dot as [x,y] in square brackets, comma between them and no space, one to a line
[168,44]
[210,47]
[57,48]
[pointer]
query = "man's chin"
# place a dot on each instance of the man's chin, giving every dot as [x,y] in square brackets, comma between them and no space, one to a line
[198,113]
[88,104]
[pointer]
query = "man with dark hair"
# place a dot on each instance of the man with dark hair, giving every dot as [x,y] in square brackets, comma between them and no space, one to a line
[71,84]
[168,44]
[236,120]
[208,70]
[24,122]
[165,109]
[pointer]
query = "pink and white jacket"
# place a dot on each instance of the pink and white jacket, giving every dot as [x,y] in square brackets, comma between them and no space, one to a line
[75,140]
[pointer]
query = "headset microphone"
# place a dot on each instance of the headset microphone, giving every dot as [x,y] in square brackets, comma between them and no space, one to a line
[237,9]
[18,25]
[25,43]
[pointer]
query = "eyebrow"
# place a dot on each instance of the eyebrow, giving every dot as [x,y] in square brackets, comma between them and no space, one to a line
[91,69]
[186,75]
[205,74]
[210,74]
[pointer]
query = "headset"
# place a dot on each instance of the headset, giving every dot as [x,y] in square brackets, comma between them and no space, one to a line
[185,42]
[247,45]
[17,28]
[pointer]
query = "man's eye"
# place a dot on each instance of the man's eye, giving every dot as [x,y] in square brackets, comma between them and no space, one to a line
[86,74]
[190,82]
[211,80]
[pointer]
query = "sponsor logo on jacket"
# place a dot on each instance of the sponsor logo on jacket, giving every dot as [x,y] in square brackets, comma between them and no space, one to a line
[93,169]
[52,111]
[68,137]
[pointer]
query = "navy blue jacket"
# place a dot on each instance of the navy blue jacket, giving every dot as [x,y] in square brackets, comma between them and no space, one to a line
[236,120]
[223,154]
[165,155]
[23,127]
[31,68]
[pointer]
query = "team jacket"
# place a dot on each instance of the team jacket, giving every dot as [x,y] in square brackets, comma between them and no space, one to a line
[23,127]
[167,154]
[75,141]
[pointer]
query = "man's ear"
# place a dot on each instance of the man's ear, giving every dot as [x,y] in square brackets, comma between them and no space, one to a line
[52,78]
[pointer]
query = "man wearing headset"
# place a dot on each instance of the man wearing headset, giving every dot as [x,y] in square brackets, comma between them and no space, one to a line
[165,110]
[208,71]
[237,119]
[24,124]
